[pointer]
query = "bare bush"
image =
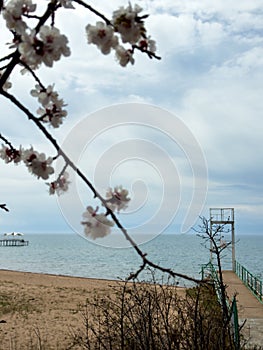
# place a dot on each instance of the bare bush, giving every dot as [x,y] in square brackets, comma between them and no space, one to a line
[153,316]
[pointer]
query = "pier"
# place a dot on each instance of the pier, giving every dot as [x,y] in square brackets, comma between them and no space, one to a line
[249,305]
[245,300]
[13,242]
[243,289]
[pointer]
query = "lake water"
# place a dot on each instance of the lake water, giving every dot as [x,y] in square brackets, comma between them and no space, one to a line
[72,255]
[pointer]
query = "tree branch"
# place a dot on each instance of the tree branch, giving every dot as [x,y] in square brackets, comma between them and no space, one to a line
[94,191]
[97,13]
[3,206]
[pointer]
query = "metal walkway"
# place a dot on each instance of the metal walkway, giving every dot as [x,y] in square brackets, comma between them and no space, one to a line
[249,308]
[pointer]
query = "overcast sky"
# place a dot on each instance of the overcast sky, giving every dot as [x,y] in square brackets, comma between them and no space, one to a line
[209,80]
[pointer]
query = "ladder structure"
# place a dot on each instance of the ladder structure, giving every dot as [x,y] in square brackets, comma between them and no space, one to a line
[225,216]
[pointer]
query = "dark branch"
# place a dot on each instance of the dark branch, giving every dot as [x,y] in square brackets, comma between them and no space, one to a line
[97,13]
[8,57]
[8,143]
[33,74]
[149,53]
[52,6]
[3,206]
[94,191]
[9,68]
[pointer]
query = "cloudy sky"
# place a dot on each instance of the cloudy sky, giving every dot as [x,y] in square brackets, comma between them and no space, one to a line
[187,126]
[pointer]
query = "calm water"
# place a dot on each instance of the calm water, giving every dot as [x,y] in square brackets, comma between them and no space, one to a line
[70,254]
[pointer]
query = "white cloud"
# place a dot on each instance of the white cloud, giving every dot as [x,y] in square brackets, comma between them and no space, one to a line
[210,75]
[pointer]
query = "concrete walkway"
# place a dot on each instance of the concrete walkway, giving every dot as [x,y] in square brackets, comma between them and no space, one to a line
[249,308]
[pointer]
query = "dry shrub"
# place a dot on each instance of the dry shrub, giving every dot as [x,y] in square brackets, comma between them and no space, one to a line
[152,316]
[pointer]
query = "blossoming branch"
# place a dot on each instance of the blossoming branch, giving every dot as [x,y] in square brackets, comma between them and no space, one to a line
[37,41]
[44,44]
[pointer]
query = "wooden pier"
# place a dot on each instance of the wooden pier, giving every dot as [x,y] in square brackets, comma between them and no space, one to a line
[13,242]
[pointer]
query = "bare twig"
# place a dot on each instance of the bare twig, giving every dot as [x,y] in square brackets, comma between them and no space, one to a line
[3,206]
[32,73]
[7,142]
[148,52]
[97,13]
[8,57]
[9,68]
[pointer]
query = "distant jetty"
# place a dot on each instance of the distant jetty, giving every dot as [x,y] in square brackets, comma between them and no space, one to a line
[13,242]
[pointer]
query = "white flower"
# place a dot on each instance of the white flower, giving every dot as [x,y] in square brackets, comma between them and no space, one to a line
[44,95]
[13,12]
[59,186]
[148,44]
[52,110]
[96,225]
[55,44]
[117,198]
[53,115]
[31,49]
[47,47]
[7,85]
[128,23]
[10,155]
[103,36]
[124,56]
[38,164]
[67,4]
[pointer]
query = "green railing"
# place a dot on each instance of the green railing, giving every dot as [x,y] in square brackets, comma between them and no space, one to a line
[251,281]
[235,324]
[208,271]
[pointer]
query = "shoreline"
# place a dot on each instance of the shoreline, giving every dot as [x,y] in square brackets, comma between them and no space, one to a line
[50,278]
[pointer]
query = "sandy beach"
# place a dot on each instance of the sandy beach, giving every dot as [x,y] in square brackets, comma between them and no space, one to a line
[43,308]
[44,311]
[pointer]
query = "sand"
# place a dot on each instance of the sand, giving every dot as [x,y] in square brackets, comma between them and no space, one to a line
[40,311]
[43,312]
